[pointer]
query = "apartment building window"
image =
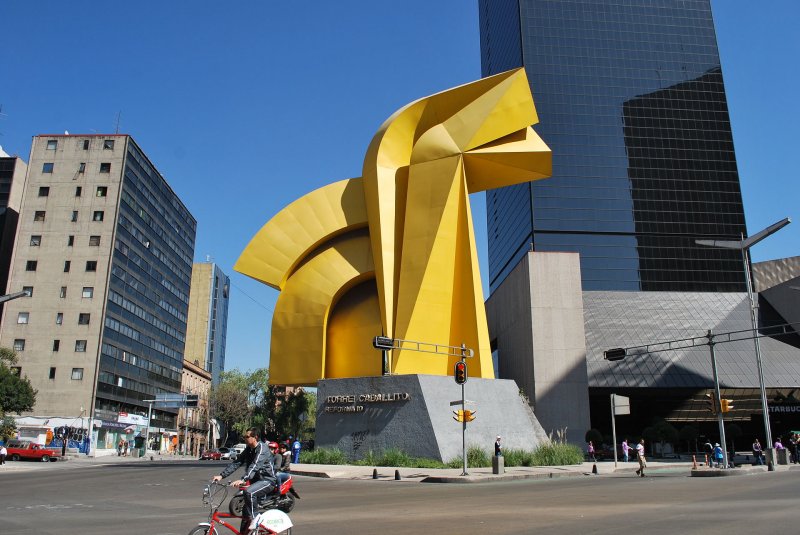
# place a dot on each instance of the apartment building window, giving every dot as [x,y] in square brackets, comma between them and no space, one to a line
[88,292]
[22,318]
[63,292]
[44,191]
[91,265]
[31,265]
[102,191]
[108,144]
[59,318]
[83,318]
[56,345]
[28,290]
[78,191]
[47,167]
[70,241]
[98,215]
[82,167]
[67,264]
[94,241]
[52,144]
[39,215]
[19,344]
[105,167]
[85,144]
[80,346]
[74,217]
[77,374]
[36,240]
[52,373]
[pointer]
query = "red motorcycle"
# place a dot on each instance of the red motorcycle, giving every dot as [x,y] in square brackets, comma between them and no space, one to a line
[282,498]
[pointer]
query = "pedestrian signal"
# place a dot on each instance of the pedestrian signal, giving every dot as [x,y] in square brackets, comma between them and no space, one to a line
[711,404]
[458,416]
[460,372]
[726,405]
[469,416]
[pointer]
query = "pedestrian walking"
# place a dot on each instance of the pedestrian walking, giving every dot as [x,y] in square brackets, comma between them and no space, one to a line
[641,458]
[498,448]
[758,453]
[3,453]
[793,447]
[709,450]
[718,455]
[590,452]
[625,450]
[119,448]
[296,446]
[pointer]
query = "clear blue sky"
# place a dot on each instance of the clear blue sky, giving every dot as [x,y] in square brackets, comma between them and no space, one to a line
[246,106]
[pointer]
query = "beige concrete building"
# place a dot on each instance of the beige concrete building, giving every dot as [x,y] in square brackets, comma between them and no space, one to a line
[207,324]
[105,248]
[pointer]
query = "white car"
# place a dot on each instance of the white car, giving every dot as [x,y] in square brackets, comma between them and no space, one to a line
[228,454]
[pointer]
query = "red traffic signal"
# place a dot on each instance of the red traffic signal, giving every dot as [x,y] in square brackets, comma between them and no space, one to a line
[460,372]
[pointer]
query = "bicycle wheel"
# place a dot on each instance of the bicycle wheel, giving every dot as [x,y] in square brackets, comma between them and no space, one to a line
[236,505]
[203,530]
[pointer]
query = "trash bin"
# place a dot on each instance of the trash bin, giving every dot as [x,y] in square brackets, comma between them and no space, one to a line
[498,464]
[783,456]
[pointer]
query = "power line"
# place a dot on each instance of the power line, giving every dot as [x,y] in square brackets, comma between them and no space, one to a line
[253,299]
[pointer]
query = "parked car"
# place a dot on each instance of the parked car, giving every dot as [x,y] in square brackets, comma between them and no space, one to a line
[239,448]
[211,455]
[228,454]
[24,449]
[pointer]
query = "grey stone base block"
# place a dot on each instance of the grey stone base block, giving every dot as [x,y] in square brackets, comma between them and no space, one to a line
[413,413]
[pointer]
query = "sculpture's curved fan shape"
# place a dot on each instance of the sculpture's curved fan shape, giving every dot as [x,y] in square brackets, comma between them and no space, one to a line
[421,281]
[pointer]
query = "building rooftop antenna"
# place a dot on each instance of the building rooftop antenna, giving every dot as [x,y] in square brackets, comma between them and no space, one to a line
[119,117]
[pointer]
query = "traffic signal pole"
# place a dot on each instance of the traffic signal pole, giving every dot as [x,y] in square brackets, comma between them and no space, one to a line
[718,398]
[464,420]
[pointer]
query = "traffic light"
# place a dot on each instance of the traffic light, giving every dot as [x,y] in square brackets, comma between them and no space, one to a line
[460,372]
[469,416]
[192,400]
[711,403]
[725,405]
[458,416]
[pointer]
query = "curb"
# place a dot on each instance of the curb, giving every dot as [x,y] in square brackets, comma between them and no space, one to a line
[495,478]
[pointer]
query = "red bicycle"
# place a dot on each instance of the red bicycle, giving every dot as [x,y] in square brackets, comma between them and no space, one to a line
[268,523]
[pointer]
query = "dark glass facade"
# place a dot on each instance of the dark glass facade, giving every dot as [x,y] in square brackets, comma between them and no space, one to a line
[631,100]
[148,294]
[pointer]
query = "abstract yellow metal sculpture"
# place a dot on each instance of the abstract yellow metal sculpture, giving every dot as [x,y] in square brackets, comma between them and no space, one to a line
[394,252]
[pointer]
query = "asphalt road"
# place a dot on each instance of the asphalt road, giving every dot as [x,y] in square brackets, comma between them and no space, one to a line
[165,499]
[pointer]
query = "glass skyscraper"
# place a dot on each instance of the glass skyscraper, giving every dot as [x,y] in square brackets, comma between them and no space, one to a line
[631,100]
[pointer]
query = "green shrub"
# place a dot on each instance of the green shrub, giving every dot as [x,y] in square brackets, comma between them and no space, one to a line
[323,456]
[557,455]
[518,458]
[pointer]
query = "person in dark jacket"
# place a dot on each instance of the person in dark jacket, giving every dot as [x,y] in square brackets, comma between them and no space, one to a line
[258,471]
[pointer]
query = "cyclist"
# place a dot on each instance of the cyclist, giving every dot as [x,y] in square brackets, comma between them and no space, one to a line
[257,462]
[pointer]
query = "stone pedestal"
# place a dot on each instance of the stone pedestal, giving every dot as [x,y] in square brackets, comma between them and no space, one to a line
[414,413]
[498,464]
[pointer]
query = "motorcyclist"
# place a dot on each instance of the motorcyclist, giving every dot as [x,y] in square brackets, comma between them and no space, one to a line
[277,458]
[257,462]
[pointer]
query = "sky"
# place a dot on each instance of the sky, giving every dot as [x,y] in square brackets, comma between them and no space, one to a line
[246,106]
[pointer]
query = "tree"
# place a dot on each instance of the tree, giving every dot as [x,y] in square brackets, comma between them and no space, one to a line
[594,436]
[689,434]
[8,429]
[662,432]
[16,393]
[229,401]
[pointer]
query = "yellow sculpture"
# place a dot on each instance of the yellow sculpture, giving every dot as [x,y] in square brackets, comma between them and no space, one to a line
[394,252]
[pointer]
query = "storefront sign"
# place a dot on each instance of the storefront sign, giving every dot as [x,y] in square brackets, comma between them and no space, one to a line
[135,419]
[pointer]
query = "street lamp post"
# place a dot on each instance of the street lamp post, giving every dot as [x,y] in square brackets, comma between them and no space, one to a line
[744,246]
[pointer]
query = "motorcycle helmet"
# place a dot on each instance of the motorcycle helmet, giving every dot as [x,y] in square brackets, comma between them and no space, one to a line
[273,445]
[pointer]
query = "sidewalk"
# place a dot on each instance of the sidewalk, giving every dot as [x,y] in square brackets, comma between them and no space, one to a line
[423,475]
